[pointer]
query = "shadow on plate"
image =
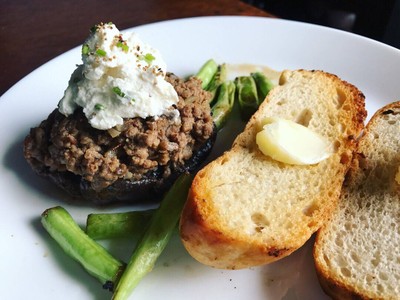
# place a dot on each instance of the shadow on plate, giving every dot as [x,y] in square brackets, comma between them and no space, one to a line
[14,161]
[293,277]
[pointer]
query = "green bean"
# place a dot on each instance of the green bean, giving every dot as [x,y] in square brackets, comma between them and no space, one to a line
[73,240]
[117,225]
[223,104]
[155,238]
[207,72]
[247,96]
[219,78]
[264,85]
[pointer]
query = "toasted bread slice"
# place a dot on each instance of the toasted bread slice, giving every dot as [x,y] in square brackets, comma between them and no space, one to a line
[357,254]
[246,209]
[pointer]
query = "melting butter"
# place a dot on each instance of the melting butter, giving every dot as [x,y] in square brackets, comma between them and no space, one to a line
[291,143]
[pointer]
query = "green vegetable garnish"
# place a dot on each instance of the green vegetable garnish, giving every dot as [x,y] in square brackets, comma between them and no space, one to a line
[99,106]
[207,72]
[73,240]
[101,52]
[85,49]
[247,96]
[101,226]
[264,85]
[123,46]
[93,29]
[148,57]
[155,238]
[118,91]
[223,104]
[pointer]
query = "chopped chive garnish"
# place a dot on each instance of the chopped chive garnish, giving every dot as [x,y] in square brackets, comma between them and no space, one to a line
[93,29]
[101,52]
[148,57]
[118,91]
[133,100]
[99,106]
[85,49]
[123,46]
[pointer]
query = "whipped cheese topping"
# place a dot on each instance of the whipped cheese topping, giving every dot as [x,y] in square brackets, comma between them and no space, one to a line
[121,77]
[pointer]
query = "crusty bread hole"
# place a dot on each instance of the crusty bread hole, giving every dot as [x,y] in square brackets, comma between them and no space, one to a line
[340,98]
[260,221]
[339,242]
[355,257]
[281,102]
[346,107]
[336,146]
[332,121]
[310,209]
[304,117]
[283,79]
[392,122]
[224,160]
[326,260]
[345,271]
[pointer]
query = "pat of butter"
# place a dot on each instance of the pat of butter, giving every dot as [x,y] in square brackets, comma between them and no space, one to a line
[291,143]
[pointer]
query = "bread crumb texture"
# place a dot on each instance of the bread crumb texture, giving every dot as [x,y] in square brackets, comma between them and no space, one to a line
[358,252]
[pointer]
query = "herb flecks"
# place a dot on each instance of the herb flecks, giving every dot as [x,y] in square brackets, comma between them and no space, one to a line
[85,49]
[123,46]
[148,58]
[118,91]
[94,28]
[101,52]
[121,43]
[100,25]
[99,106]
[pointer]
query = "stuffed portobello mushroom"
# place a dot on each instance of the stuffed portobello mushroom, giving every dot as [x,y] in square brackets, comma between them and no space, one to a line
[125,128]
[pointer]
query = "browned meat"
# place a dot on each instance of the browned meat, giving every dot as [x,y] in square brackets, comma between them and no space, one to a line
[137,160]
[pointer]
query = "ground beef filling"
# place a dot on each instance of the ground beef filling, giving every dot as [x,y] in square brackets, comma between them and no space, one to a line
[128,151]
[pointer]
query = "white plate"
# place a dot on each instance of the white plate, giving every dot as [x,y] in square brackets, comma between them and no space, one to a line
[33,267]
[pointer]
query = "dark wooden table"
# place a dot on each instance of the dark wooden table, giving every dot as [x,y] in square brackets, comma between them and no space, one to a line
[34,31]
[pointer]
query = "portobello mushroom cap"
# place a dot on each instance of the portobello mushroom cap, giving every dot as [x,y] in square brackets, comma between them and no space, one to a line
[136,162]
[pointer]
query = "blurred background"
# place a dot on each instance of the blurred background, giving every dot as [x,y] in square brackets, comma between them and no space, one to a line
[376,19]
